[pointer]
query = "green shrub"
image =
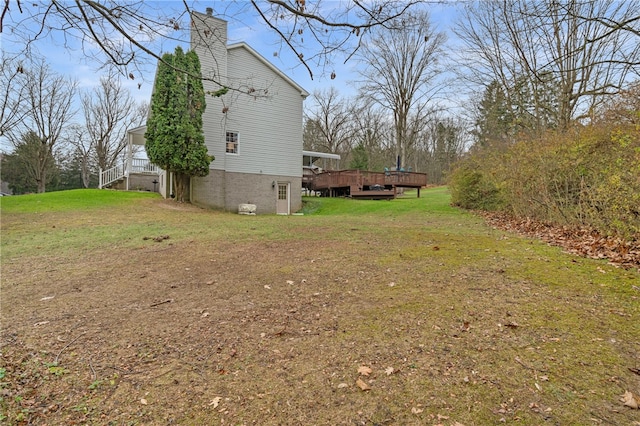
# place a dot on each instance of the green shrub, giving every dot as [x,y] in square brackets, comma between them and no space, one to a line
[471,189]
[586,176]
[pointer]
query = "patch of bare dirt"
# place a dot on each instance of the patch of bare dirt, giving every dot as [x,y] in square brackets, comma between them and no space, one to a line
[364,329]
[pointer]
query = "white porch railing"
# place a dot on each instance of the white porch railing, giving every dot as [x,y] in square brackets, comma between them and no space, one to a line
[110,175]
[138,166]
[144,166]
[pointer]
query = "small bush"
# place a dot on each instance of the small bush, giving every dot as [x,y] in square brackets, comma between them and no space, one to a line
[470,188]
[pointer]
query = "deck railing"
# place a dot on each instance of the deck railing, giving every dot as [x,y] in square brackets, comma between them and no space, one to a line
[138,166]
[348,178]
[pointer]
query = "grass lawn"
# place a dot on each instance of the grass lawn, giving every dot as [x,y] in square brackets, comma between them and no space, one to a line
[127,309]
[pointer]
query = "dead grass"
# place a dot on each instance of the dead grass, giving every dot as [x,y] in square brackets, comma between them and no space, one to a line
[266,320]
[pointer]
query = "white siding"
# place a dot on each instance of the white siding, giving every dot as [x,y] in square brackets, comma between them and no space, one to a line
[270,126]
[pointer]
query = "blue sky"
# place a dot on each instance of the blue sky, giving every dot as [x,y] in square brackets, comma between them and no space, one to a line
[65,54]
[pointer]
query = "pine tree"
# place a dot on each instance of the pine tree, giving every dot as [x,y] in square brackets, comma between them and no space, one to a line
[360,158]
[495,118]
[174,137]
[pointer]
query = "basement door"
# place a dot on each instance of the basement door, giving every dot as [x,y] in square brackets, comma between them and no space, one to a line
[282,204]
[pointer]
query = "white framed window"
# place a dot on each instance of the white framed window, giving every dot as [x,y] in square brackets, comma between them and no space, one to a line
[231,142]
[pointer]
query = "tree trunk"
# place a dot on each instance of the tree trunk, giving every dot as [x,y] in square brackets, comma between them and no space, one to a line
[42,185]
[181,183]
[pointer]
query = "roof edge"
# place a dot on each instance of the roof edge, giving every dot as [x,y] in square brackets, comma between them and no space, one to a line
[262,59]
[321,155]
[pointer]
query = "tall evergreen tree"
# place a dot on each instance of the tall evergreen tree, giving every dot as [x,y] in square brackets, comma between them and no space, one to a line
[174,137]
[494,123]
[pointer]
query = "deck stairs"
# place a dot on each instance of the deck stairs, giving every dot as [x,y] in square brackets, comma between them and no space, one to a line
[120,172]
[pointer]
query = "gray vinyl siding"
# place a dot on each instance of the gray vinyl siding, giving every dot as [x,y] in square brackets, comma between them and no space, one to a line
[209,40]
[269,127]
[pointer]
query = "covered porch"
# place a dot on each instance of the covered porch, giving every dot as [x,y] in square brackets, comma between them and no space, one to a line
[136,173]
[314,163]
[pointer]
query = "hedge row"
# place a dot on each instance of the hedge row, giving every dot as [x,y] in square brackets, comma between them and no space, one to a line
[587,176]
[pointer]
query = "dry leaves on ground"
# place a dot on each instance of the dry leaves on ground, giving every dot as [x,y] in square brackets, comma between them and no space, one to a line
[364,370]
[579,241]
[363,385]
[630,399]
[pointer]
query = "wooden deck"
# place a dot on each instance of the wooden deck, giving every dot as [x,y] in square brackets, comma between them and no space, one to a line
[365,184]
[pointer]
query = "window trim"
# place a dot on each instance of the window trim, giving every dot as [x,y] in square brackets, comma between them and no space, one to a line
[236,142]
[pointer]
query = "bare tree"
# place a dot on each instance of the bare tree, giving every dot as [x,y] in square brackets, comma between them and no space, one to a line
[109,110]
[30,165]
[401,66]
[82,151]
[49,102]
[332,119]
[442,143]
[374,131]
[127,33]
[551,42]
[13,93]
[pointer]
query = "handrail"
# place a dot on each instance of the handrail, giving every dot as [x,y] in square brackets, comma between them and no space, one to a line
[110,175]
[138,166]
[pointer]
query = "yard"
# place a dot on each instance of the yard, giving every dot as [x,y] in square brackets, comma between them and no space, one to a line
[126,309]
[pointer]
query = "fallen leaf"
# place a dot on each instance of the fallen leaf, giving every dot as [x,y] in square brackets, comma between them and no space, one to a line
[631,400]
[342,385]
[364,370]
[389,371]
[205,314]
[143,401]
[268,287]
[289,282]
[416,410]
[215,401]
[363,385]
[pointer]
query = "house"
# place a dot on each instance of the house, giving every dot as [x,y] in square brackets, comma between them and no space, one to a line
[254,130]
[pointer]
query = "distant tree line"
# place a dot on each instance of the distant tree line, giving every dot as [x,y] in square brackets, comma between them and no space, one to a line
[61,136]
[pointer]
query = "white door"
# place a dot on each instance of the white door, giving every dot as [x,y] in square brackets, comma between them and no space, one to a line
[282,204]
